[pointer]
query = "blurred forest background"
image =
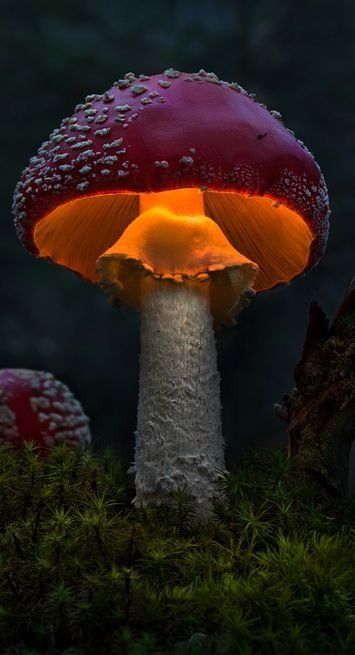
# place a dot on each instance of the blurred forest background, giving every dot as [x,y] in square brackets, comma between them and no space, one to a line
[299,58]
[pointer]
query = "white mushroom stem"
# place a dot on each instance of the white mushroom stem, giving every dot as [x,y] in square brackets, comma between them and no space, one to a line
[179,441]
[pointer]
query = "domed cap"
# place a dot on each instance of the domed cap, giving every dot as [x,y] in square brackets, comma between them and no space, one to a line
[34,406]
[173,131]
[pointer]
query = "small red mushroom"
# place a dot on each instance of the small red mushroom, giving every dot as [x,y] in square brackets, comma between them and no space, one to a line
[182,196]
[34,406]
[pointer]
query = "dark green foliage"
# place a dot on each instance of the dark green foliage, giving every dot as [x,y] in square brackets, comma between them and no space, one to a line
[82,572]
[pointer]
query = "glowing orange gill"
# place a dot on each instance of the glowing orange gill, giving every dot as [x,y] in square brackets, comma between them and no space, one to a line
[77,233]
[172,243]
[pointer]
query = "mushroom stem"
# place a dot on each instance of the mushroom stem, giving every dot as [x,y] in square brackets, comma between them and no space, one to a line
[179,441]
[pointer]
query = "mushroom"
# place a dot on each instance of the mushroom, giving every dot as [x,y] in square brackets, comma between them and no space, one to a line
[34,406]
[181,196]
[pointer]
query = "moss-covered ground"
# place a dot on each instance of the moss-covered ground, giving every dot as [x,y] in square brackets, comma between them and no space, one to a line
[83,572]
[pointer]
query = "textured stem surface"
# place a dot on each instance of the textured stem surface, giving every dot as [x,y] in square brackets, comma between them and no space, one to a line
[179,440]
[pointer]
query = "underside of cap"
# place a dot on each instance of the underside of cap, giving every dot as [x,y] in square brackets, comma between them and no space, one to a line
[77,233]
[173,248]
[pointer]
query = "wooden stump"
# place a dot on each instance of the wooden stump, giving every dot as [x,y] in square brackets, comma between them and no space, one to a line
[320,411]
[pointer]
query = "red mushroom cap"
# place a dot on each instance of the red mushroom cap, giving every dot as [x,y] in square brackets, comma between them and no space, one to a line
[171,131]
[34,406]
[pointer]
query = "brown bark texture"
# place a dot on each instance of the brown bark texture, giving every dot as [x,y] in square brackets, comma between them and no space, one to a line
[320,411]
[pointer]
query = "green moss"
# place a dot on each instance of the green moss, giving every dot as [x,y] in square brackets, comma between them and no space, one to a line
[82,572]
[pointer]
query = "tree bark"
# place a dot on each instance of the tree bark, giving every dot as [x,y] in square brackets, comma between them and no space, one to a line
[320,411]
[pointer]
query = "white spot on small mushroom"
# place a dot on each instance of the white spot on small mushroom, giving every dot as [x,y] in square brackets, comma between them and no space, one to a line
[36,160]
[171,72]
[114,144]
[81,144]
[82,187]
[108,97]
[161,164]
[85,169]
[57,138]
[66,167]
[83,156]
[39,403]
[236,87]
[64,155]
[122,84]
[101,118]
[105,171]
[137,89]
[146,101]
[109,160]
[103,132]
[186,161]
[164,83]
[123,108]
[79,128]
[212,77]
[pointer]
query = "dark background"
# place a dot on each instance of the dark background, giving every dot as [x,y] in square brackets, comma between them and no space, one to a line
[299,58]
